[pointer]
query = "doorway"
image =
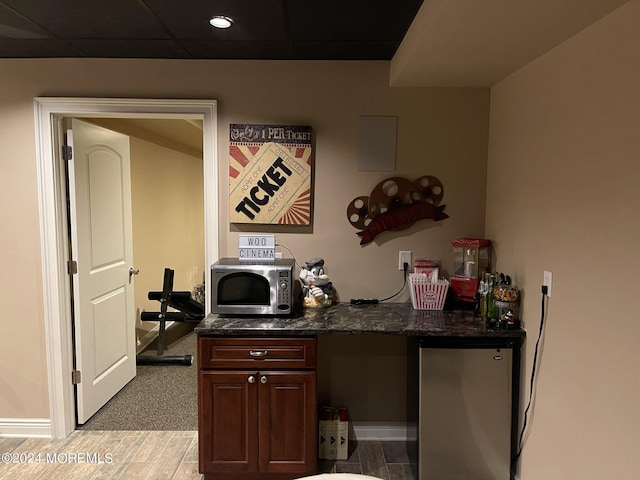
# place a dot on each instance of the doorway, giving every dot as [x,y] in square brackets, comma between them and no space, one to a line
[166,230]
[167,206]
[49,113]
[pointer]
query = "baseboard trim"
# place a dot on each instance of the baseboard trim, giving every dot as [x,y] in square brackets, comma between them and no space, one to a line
[41,428]
[25,427]
[384,431]
[149,337]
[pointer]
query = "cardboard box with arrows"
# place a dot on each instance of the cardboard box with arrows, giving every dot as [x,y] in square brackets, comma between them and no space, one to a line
[333,432]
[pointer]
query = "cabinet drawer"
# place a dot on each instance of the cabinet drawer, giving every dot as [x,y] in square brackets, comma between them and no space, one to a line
[232,352]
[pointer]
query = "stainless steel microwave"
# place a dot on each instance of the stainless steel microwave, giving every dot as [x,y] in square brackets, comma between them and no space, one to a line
[252,288]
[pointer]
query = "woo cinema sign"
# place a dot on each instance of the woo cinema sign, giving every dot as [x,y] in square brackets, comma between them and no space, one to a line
[270,174]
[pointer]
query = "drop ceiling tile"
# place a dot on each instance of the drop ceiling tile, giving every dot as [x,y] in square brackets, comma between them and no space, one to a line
[13,25]
[91,19]
[253,20]
[239,50]
[356,20]
[345,50]
[36,48]
[107,48]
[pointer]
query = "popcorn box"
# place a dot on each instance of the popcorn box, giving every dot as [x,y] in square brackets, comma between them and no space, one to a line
[426,295]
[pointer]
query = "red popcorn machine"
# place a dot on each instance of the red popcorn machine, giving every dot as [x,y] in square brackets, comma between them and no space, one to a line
[471,258]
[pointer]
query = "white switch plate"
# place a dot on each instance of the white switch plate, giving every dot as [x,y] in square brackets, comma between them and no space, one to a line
[404,257]
[548,280]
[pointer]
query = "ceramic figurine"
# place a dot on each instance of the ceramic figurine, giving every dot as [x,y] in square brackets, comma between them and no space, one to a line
[316,287]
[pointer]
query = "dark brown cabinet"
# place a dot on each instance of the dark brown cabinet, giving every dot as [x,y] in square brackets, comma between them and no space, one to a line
[257,407]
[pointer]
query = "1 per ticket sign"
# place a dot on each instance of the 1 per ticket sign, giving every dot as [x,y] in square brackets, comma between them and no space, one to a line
[270,174]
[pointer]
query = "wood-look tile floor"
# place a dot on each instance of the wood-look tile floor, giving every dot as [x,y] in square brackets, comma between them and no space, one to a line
[159,455]
[94,455]
[384,460]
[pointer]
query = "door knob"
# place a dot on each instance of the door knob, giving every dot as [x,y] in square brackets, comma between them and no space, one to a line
[251,379]
[263,379]
[132,272]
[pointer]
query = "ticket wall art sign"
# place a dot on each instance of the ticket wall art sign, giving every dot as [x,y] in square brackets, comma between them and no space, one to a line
[270,174]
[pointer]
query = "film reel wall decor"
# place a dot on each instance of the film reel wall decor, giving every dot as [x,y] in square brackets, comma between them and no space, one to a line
[396,203]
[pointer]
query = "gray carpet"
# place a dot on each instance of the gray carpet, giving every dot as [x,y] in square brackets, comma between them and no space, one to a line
[160,397]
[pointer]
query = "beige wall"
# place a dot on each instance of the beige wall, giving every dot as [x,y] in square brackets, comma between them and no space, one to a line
[441,132]
[563,196]
[23,374]
[168,222]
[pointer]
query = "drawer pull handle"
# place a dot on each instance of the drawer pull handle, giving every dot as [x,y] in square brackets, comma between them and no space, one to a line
[251,379]
[263,379]
[258,353]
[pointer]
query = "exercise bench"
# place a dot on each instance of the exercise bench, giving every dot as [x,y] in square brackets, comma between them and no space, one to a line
[188,311]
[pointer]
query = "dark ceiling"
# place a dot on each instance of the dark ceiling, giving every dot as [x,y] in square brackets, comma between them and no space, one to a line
[263,29]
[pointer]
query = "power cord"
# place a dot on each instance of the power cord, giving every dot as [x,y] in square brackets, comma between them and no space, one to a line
[404,284]
[291,253]
[358,301]
[533,371]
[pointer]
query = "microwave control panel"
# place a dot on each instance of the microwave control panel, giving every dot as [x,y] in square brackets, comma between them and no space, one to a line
[284,290]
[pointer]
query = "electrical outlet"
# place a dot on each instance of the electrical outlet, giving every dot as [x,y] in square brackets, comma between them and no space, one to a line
[404,257]
[548,280]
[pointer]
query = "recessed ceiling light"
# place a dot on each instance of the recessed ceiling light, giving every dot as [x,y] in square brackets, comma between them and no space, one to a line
[220,21]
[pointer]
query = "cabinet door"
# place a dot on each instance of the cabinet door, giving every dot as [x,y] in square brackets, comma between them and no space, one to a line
[287,417]
[228,421]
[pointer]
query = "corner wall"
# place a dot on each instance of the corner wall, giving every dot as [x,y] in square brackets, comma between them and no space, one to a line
[563,196]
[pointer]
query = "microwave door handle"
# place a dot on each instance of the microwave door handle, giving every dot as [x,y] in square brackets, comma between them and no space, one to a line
[258,353]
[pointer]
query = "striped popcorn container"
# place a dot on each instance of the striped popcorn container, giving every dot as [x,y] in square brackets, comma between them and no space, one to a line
[426,295]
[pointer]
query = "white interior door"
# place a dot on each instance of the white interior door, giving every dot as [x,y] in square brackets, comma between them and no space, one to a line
[102,246]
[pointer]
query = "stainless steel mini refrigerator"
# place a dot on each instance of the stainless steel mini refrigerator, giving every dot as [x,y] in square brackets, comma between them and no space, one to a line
[465,411]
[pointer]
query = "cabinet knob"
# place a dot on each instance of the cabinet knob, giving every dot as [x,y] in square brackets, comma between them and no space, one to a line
[263,379]
[251,379]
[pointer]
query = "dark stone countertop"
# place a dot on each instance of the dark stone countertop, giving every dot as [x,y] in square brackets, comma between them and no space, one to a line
[344,318]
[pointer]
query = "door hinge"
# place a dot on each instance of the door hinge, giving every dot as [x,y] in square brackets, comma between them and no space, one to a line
[76,377]
[72,267]
[67,152]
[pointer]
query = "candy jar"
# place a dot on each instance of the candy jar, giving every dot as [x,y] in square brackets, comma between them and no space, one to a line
[506,298]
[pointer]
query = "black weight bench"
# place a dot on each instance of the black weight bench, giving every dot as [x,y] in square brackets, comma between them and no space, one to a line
[188,311]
